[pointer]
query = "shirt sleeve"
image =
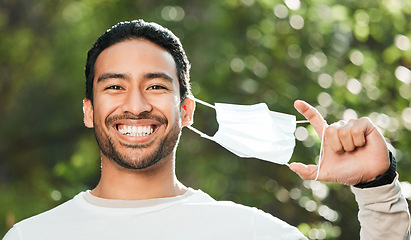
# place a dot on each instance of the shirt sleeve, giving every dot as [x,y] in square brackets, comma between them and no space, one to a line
[12,234]
[383,212]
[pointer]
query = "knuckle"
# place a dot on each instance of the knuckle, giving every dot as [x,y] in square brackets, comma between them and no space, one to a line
[331,130]
[355,131]
[343,132]
[365,120]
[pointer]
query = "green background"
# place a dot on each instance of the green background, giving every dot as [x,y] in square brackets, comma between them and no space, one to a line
[348,58]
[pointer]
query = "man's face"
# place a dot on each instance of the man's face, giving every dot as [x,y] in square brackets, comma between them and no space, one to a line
[136,111]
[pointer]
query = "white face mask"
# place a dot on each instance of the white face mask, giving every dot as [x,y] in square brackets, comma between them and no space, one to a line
[253,131]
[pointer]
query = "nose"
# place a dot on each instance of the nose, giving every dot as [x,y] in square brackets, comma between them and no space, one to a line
[136,103]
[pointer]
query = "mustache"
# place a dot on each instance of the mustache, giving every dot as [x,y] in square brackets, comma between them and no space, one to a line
[130,116]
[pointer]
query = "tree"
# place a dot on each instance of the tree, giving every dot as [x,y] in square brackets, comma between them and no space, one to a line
[348,58]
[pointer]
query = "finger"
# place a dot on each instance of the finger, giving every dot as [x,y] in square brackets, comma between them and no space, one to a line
[346,138]
[311,114]
[362,128]
[358,130]
[306,172]
[332,139]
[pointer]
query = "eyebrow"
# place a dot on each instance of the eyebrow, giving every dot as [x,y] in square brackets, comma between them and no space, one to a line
[159,75]
[106,76]
[126,76]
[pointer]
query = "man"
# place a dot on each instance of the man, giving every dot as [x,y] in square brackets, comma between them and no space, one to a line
[137,102]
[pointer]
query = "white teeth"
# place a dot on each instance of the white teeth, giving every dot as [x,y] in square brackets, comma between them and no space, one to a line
[135,131]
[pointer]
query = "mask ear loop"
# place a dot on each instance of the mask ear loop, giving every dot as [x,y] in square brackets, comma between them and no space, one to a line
[205,104]
[202,102]
[321,151]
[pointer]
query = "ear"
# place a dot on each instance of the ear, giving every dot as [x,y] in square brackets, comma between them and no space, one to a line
[88,113]
[187,111]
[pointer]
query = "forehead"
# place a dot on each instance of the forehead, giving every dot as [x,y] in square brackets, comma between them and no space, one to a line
[135,57]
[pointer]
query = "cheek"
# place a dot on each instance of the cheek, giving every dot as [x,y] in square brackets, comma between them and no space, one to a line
[102,109]
[170,107]
[105,100]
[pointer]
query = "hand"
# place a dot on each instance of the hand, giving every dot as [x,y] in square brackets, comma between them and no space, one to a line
[353,152]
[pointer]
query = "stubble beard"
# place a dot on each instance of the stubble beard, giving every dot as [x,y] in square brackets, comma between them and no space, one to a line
[141,159]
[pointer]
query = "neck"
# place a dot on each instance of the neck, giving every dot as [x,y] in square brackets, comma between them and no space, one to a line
[159,181]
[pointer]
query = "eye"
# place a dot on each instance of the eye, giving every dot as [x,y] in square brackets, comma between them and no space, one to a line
[157,87]
[114,87]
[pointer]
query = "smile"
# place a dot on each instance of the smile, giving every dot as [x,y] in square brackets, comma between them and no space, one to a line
[135,131]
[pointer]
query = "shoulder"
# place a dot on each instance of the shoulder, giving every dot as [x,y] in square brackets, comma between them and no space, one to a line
[236,216]
[204,202]
[38,223]
[201,201]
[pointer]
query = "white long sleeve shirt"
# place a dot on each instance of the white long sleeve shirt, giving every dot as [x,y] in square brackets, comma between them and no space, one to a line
[195,215]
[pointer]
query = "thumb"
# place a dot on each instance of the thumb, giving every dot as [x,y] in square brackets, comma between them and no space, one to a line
[312,115]
[306,172]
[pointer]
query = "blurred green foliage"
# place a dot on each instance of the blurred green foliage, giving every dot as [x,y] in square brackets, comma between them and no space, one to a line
[348,58]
